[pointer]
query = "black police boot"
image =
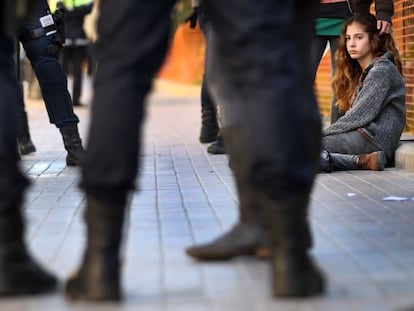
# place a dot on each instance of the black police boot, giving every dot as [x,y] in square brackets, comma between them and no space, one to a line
[26,145]
[244,239]
[73,144]
[294,274]
[217,147]
[24,140]
[98,278]
[209,126]
[209,123]
[247,237]
[20,274]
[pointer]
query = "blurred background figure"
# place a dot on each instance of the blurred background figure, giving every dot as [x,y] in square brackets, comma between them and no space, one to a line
[209,132]
[76,52]
[20,274]
[90,22]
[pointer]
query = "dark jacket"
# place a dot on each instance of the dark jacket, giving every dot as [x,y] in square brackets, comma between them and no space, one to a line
[384,9]
[74,22]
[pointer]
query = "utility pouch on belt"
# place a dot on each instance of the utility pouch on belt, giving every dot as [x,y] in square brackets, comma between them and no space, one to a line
[48,27]
[51,24]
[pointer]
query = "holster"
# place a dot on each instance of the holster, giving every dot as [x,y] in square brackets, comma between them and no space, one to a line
[57,30]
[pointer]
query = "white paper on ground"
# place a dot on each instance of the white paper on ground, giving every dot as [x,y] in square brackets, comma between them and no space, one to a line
[396,198]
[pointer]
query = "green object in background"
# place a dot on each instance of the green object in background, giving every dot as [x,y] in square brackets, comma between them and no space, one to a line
[182,10]
[329,26]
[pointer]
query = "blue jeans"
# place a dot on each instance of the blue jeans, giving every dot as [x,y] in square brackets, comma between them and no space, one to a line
[343,149]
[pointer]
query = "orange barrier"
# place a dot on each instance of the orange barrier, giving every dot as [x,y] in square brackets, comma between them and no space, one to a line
[323,88]
[185,60]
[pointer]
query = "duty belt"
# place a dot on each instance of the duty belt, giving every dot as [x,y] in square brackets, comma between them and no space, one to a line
[38,33]
[51,49]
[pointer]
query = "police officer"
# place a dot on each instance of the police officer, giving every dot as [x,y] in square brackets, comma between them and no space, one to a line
[259,73]
[20,274]
[39,34]
[209,113]
[209,123]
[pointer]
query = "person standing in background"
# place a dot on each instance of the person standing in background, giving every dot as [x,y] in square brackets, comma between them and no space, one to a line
[40,36]
[210,131]
[75,49]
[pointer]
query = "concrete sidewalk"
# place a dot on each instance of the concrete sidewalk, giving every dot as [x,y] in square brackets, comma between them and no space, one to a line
[364,243]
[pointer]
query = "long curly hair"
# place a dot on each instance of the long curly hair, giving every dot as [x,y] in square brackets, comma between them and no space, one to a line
[348,70]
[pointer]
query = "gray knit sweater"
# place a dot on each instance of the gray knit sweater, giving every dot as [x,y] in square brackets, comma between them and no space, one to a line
[379,106]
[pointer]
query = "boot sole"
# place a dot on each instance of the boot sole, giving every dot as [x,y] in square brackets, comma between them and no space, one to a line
[309,289]
[216,151]
[75,292]
[76,296]
[381,161]
[207,140]
[27,150]
[302,283]
[261,253]
[35,289]
[71,162]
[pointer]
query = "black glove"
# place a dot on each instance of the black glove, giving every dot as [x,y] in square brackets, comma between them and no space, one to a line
[192,18]
[60,5]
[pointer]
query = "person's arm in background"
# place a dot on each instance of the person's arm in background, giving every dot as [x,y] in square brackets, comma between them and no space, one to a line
[384,10]
[89,24]
[192,18]
[81,10]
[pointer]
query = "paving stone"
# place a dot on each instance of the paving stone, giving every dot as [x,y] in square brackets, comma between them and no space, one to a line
[363,244]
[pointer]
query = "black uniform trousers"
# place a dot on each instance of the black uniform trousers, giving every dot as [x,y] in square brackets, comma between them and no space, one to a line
[206,100]
[73,59]
[48,69]
[12,182]
[259,73]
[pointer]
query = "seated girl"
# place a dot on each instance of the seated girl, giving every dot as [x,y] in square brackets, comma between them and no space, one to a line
[370,92]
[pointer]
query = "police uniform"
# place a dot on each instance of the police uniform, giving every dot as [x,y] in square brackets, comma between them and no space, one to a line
[19,273]
[209,114]
[259,72]
[76,44]
[41,42]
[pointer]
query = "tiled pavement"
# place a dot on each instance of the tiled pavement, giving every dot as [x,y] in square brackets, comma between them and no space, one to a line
[363,243]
